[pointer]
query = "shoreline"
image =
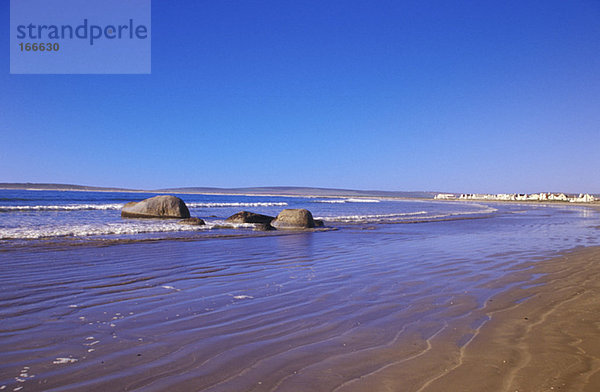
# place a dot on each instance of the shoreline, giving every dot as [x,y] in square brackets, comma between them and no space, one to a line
[526,202]
[538,336]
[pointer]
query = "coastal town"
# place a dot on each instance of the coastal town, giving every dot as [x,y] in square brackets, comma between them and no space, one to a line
[544,196]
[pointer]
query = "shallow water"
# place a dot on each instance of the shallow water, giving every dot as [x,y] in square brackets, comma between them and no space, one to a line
[295,311]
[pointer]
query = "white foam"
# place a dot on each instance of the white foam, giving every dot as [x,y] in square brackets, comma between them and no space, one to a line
[85,230]
[341,201]
[118,206]
[371,218]
[237,225]
[398,217]
[84,207]
[59,361]
[67,207]
[362,201]
[235,204]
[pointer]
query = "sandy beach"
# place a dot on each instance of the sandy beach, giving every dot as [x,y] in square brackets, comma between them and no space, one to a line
[539,338]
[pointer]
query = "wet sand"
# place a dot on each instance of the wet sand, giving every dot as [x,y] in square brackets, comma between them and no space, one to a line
[543,336]
[300,313]
[538,338]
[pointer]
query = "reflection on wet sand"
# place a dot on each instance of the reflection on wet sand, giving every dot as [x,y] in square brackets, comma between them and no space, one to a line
[458,307]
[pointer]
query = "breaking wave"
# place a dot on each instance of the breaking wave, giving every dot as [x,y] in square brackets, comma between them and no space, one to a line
[67,207]
[341,201]
[118,206]
[372,218]
[236,204]
[95,230]
[109,229]
[407,217]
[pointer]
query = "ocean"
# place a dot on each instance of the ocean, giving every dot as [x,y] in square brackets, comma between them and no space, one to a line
[90,215]
[91,301]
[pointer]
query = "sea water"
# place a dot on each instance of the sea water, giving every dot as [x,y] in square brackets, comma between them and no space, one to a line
[55,214]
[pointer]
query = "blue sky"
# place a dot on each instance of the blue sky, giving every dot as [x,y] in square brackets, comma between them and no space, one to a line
[469,96]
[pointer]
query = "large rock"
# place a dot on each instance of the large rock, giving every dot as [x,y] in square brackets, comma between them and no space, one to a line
[294,219]
[156,207]
[249,217]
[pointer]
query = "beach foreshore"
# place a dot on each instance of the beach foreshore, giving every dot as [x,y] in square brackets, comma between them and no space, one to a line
[503,303]
[541,337]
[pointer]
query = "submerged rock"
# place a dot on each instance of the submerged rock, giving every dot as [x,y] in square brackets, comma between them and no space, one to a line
[249,217]
[192,222]
[164,206]
[298,218]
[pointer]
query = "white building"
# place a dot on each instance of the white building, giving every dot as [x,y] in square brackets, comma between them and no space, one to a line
[445,196]
[543,196]
[505,196]
[558,197]
[583,199]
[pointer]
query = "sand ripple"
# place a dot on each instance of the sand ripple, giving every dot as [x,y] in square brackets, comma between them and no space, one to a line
[332,311]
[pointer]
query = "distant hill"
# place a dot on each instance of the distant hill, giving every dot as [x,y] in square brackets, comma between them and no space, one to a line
[59,187]
[303,191]
[277,190]
[265,190]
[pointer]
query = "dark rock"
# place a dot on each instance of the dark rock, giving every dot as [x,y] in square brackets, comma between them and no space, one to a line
[156,207]
[249,217]
[319,223]
[294,219]
[263,227]
[192,222]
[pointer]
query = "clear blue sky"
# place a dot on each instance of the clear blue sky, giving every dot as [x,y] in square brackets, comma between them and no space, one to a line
[465,96]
